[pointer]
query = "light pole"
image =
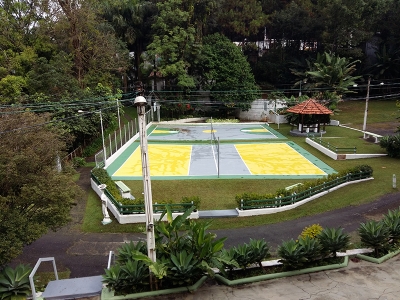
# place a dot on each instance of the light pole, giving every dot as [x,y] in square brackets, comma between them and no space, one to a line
[102,134]
[302,81]
[366,107]
[140,102]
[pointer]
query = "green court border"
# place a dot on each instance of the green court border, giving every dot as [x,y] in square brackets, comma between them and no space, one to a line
[311,158]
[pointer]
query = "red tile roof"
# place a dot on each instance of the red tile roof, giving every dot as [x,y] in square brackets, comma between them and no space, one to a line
[310,107]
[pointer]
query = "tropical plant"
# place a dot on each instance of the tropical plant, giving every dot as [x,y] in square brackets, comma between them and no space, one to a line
[292,255]
[375,235]
[311,248]
[391,143]
[259,250]
[14,283]
[392,221]
[333,240]
[333,72]
[127,251]
[184,268]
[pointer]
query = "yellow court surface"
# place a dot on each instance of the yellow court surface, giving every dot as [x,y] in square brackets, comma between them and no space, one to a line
[276,158]
[165,160]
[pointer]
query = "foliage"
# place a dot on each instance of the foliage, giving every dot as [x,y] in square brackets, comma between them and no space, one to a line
[249,254]
[127,251]
[78,162]
[311,249]
[391,143]
[333,240]
[392,221]
[174,43]
[375,235]
[34,195]
[334,72]
[223,70]
[300,188]
[311,231]
[291,255]
[132,276]
[14,283]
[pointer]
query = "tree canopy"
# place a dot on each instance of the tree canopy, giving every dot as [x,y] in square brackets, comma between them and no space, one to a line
[35,195]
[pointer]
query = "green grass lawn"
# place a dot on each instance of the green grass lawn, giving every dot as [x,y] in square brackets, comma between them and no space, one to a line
[220,193]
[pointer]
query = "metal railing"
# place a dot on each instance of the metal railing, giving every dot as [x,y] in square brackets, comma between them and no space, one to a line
[296,197]
[333,148]
[124,209]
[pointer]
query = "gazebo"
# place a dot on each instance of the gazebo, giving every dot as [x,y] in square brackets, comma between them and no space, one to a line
[310,116]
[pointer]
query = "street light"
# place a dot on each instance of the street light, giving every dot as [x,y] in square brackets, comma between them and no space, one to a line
[140,102]
[102,134]
[366,105]
[302,81]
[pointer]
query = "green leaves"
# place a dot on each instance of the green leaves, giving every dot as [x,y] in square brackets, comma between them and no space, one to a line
[333,240]
[375,235]
[15,282]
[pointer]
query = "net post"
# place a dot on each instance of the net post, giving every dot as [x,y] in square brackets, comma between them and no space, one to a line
[218,155]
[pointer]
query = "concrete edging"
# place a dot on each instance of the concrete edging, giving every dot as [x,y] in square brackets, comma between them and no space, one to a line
[378,260]
[109,295]
[336,156]
[280,275]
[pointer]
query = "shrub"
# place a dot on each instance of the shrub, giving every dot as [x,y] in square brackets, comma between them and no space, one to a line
[311,249]
[14,283]
[311,231]
[78,162]
[391,143]
[292,255]
[375,235]
[392,222]
[333,240]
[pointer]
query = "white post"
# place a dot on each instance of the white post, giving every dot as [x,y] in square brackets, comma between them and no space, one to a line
[140,103]
[394,181]
[366,107]
[104,199]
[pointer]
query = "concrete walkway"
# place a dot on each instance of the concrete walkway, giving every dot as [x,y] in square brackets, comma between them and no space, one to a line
[360,280]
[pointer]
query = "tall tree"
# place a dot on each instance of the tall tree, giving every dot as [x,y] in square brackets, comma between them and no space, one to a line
[224,70]
[34,195]
[97,54]
[174,44]
[240,19]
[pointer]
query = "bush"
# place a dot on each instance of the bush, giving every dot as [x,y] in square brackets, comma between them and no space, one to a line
[78,162]
[14,283]
[392,222]
[375,235]
[311,231]
[306,186]
[333,240]
[391,143]
[292,255]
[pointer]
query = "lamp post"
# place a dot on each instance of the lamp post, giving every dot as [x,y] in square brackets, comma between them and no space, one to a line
[302,81]
[366,107]
[102,134]
[140,102]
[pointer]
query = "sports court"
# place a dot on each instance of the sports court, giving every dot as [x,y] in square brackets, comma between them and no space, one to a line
[204,151]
